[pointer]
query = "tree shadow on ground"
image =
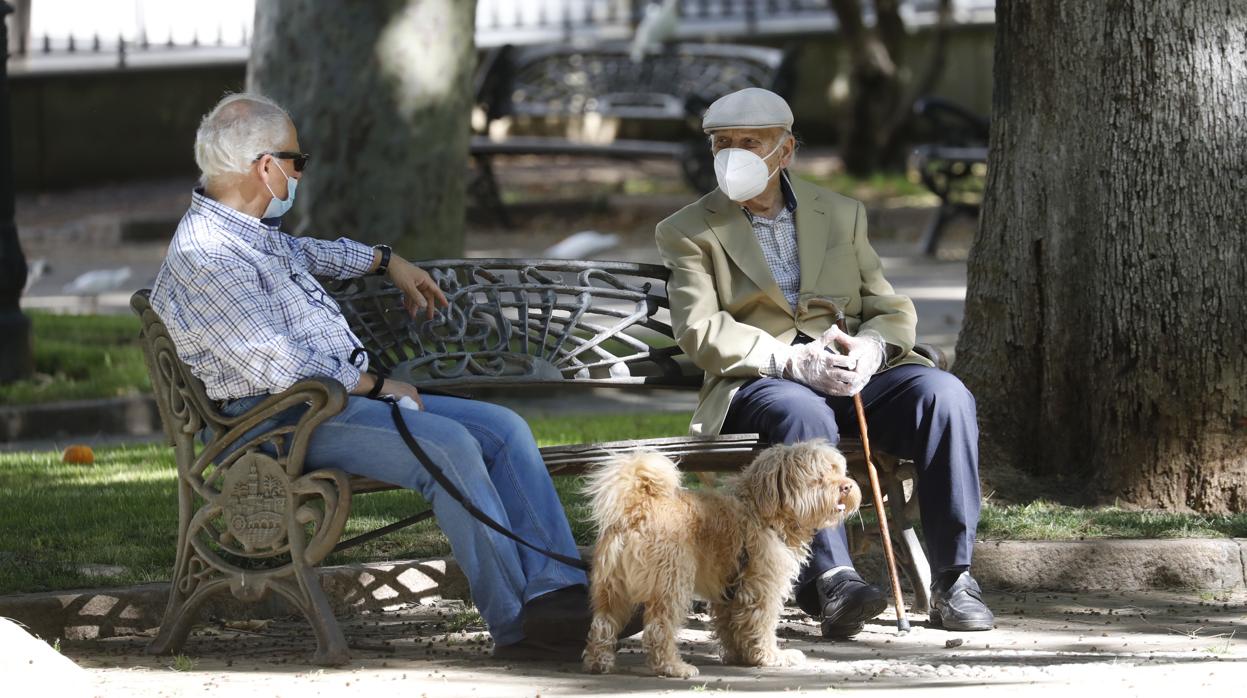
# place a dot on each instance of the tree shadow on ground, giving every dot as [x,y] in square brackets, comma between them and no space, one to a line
[1039,638]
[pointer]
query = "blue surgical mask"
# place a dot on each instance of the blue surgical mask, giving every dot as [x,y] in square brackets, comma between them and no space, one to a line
[278,207]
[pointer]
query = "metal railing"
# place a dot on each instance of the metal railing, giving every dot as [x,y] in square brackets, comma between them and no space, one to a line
[540,21]
[122,49]
[497,22]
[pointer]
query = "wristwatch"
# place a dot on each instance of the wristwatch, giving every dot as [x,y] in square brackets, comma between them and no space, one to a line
[384,266]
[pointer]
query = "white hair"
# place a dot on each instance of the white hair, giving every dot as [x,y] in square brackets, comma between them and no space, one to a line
[237,130]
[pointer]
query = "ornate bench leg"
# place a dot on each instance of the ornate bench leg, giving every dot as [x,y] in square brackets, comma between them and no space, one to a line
[909,554]
[255,491]
[484,188]
[935,228]
[309,597]
[193,582]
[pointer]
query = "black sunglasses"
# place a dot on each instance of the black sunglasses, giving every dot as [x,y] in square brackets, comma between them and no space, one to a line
[299,159]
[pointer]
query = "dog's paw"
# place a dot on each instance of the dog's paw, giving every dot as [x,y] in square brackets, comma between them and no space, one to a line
[791,658]
[677,670]
[778,657]
[601,664]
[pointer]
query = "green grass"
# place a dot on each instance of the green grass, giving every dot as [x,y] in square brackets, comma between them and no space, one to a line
[56,519]
[1047,521]
[79,357]
[122,511]
[182,662]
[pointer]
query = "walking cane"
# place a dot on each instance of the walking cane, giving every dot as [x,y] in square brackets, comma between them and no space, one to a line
[902,623]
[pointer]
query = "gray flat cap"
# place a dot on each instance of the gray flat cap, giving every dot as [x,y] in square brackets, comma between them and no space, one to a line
[752,107]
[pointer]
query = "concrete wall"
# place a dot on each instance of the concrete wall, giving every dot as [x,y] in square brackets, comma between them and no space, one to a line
[86,128]
[73,129]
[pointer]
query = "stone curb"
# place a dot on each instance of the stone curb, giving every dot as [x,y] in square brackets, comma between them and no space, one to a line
[1208,564]
[1058,566]
[135,415]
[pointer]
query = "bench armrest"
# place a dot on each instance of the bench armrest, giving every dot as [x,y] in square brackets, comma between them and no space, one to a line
[325,398]
[934,354]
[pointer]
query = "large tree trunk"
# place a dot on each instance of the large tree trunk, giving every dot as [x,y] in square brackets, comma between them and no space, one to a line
[381,93]
[1106,330]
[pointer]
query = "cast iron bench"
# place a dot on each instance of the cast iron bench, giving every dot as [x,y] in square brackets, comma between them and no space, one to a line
[560,82]
[254,524]
[945,166]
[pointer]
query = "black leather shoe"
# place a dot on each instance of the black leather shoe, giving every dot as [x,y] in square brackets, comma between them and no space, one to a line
[560,617]
[528,650]
[957,604]
[847,603]
[563,616]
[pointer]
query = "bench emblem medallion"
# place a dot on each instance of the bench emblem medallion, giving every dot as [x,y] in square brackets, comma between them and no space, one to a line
[254,500]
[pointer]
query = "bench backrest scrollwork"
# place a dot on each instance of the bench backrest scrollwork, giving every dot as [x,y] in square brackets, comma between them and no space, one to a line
[525,323]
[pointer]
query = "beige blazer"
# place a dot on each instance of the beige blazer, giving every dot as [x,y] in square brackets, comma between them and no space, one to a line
[728,313]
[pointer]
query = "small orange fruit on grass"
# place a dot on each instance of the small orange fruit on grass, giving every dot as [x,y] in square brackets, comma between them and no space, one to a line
[78,454]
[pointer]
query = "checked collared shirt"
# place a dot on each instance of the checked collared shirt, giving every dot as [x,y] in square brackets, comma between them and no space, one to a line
[778,238]
[244,308]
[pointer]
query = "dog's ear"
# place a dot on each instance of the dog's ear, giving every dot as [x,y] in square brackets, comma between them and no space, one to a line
[763,481]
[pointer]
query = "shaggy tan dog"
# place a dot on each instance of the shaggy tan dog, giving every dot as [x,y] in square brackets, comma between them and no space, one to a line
[659,544]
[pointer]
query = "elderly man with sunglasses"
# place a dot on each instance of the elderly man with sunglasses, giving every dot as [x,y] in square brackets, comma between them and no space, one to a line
[247,314]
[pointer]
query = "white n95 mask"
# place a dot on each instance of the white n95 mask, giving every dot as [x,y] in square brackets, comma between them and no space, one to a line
[741,174]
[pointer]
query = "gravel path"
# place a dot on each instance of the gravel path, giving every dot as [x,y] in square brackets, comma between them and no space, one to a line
[1113,644]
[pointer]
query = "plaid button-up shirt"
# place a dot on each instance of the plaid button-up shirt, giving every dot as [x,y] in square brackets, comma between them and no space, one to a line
[243,308]
[778,238]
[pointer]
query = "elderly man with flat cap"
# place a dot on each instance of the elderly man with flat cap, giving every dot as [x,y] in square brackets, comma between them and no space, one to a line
[746,260]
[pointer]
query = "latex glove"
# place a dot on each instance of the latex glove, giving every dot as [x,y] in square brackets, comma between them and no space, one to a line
[865,354]
[812,365]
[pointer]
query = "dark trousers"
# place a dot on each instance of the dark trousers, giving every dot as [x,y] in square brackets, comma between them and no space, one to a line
[913,412]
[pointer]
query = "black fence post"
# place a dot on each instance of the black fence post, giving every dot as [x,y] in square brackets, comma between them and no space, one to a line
[16,350]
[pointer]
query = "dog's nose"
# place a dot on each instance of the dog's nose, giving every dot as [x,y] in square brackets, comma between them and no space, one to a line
[846,488]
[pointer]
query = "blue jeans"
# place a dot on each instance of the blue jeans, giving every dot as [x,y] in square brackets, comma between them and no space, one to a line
[489,452]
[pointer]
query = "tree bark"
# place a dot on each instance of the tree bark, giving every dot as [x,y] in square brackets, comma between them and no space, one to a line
[1105,329]
[381,93]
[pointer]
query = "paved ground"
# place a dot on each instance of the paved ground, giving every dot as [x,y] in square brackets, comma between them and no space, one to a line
[1132,644]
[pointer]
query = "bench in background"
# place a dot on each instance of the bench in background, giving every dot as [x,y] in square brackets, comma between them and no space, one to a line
[560,83]
[956,157]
